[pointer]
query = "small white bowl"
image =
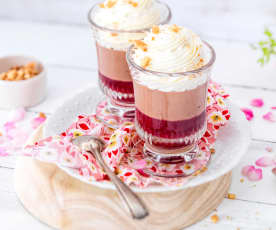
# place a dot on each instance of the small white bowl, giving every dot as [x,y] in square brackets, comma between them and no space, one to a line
[24,93]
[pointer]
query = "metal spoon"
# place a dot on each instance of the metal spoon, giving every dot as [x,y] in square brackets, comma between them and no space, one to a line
[134,204]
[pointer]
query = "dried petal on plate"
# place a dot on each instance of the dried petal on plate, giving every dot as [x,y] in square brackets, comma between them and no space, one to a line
[269,117]
[257,102]
[248,113]
[255,174]
[273,107]
[265,161]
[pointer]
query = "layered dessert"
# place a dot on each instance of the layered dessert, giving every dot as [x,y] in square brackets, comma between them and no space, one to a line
[171,77]
[116,24]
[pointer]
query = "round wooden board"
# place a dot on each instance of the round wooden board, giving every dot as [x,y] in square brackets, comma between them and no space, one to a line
[63,202]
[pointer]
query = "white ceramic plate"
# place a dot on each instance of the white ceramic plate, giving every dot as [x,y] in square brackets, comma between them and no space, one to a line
[231,145]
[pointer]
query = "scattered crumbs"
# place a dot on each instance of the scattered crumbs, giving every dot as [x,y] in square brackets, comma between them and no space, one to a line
[241,180]
[212,150]
[145,62]
[42,115]
[214,218]
[101,5]
[231,196]
[175,28]
[155,29]
[229,217]
[110,4]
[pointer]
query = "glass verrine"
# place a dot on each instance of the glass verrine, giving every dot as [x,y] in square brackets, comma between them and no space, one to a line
[171,108]
[113,73]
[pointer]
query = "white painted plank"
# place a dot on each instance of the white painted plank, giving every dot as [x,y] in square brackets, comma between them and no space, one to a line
[261,129]
[260,191]
[233,214]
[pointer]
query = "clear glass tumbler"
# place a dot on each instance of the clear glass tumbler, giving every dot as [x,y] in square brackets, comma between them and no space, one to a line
[114,77]
[171,109]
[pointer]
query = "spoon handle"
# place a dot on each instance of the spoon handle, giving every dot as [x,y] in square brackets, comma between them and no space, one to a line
[134,204]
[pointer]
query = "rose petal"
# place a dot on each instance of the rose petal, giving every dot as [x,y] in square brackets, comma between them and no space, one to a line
[257,102]
[268,149]
[248,113]
[3,152]
[255,174]
[269,117]
[265,161]
[246,169]
[273,107]
[18,115]
[274,171]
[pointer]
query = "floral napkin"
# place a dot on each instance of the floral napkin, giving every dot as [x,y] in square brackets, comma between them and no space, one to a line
[124,148]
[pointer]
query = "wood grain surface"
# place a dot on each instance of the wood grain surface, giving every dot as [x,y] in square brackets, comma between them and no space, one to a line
[64,202]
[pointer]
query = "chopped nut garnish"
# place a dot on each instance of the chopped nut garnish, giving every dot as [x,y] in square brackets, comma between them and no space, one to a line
[42,115]
[187,166]
[204,168]
[212,150]
[18,73]
[141,45]
[241,180]
[214,218]
[155,29]
[175,28]
[153,38]
[101,5]
[145,62]
[231,196]
[114,34]
[110,4]
[134,4]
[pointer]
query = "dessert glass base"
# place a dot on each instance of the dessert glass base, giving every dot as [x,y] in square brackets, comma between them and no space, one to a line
[182,157]
[113,114]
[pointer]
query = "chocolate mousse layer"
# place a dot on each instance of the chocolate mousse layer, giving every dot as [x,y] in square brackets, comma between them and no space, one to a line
[170,106]
[114,75]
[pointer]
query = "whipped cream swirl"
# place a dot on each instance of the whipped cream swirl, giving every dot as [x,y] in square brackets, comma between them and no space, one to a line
[172,49]
[128,14]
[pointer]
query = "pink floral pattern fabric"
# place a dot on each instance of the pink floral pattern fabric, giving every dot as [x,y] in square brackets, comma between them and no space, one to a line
[124,149]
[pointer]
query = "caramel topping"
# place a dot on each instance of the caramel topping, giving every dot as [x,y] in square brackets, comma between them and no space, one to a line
[155,29]
[110,4]
[134,4]
[141,45]
[101,5]
[114,34]
[175,28]
[145,62]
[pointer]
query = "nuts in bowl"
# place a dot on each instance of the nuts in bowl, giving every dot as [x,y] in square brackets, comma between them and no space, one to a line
[22,82]
[19,73]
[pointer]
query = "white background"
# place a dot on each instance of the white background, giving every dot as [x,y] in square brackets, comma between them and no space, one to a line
[56,32]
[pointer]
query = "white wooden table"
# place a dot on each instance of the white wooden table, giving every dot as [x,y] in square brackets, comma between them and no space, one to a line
[69,54]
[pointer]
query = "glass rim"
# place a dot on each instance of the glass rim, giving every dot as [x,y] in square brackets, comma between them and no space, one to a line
[93,23]
[195,71]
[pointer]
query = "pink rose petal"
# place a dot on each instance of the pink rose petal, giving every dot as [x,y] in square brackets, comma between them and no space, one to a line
[274,171]
[265,161]
[257,102]
[37,122]
[18,115]
[246,169]
[273,107]
[252,173]
[248,113]
[268,149]
[255,174]
[269,117]
[3,152]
